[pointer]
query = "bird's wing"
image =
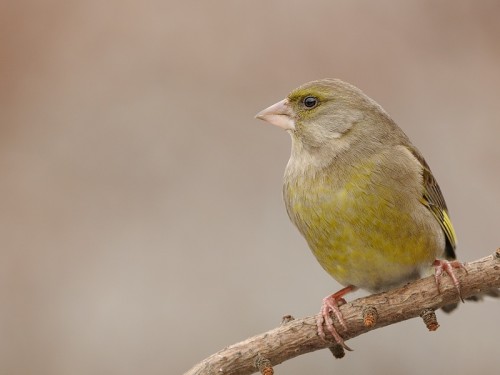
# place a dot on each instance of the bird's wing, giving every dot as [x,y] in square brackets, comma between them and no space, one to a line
[433,199]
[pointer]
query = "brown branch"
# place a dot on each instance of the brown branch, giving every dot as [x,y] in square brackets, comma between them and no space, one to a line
[419,298]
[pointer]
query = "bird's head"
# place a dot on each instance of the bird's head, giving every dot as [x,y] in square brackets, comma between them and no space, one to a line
[326,117]
[320,111]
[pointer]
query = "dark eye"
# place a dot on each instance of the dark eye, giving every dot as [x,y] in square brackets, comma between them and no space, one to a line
[310,101]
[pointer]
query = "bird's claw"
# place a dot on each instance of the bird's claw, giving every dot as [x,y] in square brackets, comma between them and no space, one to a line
[331,305]
[447,266]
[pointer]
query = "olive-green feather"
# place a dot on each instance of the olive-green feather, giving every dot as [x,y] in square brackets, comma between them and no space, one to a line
[433,199]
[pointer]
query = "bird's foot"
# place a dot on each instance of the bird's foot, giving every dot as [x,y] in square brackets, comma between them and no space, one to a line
[331,305]
[447,266]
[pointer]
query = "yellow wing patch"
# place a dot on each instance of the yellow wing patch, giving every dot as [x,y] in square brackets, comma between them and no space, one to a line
[433,199]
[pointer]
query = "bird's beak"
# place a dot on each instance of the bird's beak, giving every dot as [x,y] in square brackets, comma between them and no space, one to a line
[279,114]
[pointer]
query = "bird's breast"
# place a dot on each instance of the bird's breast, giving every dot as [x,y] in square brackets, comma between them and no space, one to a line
[362,231]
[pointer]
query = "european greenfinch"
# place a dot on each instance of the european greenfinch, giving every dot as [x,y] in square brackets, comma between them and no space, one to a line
[360,193]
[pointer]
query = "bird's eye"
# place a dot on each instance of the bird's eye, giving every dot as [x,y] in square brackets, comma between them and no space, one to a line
[310,101]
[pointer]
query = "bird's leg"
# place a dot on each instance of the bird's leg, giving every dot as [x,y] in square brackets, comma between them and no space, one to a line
[447,266]
[331,305]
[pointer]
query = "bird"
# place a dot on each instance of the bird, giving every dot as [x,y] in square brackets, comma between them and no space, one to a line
[361,194]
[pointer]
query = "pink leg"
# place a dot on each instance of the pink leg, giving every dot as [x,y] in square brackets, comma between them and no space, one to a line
[447,266]
[331,305]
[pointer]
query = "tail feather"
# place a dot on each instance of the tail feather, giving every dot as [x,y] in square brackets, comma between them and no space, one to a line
[495,293]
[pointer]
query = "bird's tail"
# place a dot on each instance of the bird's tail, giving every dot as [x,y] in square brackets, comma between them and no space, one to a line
[495,293]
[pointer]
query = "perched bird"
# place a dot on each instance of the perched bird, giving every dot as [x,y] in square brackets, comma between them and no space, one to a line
[360,193]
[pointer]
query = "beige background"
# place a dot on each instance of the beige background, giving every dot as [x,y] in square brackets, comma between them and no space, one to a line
[141,224]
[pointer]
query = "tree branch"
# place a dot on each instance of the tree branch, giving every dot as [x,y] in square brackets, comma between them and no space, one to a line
[300,336]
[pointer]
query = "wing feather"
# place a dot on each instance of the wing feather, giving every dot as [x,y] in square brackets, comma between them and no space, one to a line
[433,199]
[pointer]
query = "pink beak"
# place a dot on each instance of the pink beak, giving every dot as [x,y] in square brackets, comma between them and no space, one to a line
[279,114]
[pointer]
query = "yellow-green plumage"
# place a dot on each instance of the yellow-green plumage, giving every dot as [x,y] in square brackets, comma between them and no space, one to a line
[365,232]
[357,189]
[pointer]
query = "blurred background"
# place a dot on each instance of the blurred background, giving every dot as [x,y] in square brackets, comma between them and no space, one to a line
[141,220]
